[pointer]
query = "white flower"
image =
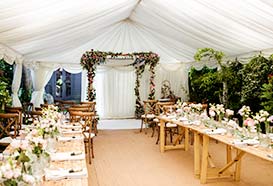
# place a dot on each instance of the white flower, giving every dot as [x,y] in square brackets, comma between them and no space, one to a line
[232,123]
[16,173]
[8,174]
[270,119]
[229,112]
[28,178]
[244,111]
[211,113]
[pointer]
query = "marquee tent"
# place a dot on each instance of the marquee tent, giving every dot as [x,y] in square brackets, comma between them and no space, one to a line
[46,35]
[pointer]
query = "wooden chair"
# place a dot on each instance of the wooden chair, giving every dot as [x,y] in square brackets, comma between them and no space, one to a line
[92,106]
[88,107]
[35,115]
[64,105]
[7,122]
[19,111]
[161,108]
[86,119]
[27,107]
[149,115]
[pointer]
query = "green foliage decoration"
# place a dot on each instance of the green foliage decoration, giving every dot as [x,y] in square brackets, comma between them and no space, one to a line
[267,95]
[204,84]
[210,54]
[254,75]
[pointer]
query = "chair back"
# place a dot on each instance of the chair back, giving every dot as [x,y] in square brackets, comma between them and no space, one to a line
[19,111]
[74,115]
[92,105]
[168,109]
[160,106]
[35,115]
[7,121]
[150,106]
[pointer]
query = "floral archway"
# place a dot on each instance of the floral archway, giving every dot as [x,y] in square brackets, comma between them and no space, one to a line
[91,59]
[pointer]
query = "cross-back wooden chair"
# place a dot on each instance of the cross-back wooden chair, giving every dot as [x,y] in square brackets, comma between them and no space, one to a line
[91,105]
[161,109]
[149,115]
[19,111]
[86,119]
[7,122]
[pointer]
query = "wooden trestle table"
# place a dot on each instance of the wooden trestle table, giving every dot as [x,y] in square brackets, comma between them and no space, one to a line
[201,153]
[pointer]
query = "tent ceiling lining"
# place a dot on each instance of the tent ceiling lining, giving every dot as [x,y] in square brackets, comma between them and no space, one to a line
[61,31]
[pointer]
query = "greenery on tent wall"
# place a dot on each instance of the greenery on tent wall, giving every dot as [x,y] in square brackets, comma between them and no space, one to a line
[255,74]
[203,84]
[6,76]
[248,84]
[90,60]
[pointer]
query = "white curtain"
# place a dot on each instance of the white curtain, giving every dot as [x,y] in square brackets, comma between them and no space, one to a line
[176,74]
[17,76]
[115,92]
[41,74]
[40,77]
[10,56]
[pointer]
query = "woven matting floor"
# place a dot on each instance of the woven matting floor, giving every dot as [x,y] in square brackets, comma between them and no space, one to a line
[130,158]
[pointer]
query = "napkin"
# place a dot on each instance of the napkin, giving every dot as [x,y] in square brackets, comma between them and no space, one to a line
[215,131]
[69,138]
[57,174]
[70,131]
[251,142]
[62,156]
[71,126]
[239,142]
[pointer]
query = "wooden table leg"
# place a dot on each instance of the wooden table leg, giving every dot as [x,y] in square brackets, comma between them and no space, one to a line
[229,156]
[196,154]
[238,167]
[162,136]
[186,139]
[205,153]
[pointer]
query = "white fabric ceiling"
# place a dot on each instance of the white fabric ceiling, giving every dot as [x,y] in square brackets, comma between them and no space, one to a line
[60,31]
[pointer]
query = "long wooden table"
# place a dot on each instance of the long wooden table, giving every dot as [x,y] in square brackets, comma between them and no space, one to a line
[69,164]
[68,146]
[202,160]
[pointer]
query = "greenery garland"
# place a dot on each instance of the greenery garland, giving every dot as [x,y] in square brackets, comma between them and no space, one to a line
[139,109]
[90,60]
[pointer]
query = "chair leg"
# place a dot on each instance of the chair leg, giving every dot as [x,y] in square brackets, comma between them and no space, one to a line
[89,149]
[158,135]
[153,127]
[171,135]
[92,148]
[165,137]
[141,125]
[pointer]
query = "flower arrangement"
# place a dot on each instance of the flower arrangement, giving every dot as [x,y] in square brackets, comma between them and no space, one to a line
[196,108]
[11,175]
[229,113]
[245,112]
[261,117]
[217,110]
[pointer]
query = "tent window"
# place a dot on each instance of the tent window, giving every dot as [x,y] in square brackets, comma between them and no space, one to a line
[64,85]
